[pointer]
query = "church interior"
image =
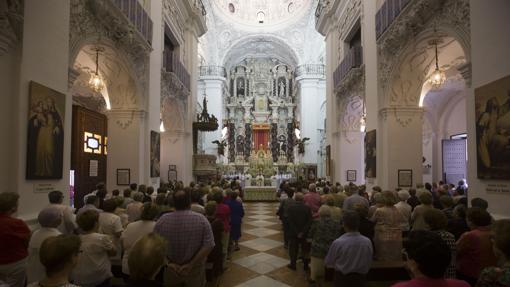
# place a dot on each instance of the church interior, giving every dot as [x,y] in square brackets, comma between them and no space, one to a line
[291,115]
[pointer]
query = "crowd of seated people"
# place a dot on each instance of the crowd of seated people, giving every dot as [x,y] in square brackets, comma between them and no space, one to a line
[176,236]
[184,236]
[461,246]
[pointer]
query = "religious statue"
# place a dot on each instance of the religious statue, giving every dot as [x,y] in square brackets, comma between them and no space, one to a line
[221,146]
[240,87]
[301,145]
[281,88]
[240,144]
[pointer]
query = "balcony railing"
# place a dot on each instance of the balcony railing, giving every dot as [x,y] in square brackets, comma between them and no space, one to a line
[310,69]
[387,14]
[138,17]
[217,71]
[172,64]
[353,59]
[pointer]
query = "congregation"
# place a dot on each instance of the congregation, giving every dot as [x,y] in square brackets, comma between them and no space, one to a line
[185,236]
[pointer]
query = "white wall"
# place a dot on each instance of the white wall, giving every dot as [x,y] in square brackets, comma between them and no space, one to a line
[45,60]
[490,43]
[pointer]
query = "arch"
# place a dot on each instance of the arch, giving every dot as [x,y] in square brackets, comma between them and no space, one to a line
[408,72]
[259,46]
[117,70]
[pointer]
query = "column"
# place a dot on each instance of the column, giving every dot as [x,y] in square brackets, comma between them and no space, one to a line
[154,99]
[44,56]
[312,96]
[399,145]
[212,86]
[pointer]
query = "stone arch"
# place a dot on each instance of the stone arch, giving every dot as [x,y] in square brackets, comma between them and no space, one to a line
[406,56]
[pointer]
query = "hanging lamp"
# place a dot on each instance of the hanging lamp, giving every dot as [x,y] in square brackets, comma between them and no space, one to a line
[96,83]
[438,77]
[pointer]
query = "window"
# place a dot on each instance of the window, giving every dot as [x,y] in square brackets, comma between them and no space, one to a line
[92,143]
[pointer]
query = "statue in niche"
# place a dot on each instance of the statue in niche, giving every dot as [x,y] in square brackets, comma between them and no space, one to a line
[240,87]
[281,87]
[240,144]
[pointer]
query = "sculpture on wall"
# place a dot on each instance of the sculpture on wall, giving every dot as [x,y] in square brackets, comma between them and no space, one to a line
[221,146]
[301,145]
[281,87]
[240,87]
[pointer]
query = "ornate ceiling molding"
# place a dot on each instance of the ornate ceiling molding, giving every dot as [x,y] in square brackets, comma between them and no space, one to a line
[405,41]
[95,22]
[11,24]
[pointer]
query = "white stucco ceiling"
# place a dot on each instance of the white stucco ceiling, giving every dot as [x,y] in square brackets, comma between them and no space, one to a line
[247,14]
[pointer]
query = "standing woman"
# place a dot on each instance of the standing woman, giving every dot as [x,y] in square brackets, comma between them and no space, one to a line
[236,218]
[388,232]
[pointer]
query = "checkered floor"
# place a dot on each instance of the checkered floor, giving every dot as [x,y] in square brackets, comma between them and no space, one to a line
[262,260]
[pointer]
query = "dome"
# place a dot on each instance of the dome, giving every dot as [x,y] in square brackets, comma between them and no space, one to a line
[265,14]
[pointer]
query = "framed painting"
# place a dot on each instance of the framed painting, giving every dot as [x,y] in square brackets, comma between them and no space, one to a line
[172,173]
[351,175]
[371,154]
[405,177]
[123,176]
[311,172]
[155,154]
[45,140]
[492,109]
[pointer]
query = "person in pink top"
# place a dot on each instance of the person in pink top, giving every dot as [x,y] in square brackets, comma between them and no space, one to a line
[223,213]
[426,258]
[313,200]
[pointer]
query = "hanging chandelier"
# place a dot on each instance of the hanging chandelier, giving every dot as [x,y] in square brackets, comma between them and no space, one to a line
[438,77]
[96,83]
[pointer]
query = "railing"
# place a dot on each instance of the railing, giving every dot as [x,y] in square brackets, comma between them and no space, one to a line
[137,15]
[200,5]
[171,64]
[310,69]
[319,9]
[353,59]
[218,71]
[387,14]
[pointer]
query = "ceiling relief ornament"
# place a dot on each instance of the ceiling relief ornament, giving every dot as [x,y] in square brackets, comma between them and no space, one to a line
[256,14]
[406,41]
[127,57]
[11,24]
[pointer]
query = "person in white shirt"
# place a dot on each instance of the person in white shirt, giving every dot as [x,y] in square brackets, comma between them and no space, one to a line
[59,256]
[68,225]
[92,203]
[134,209]
[49,218]
[94,266]
[137,230]
[405,209]
[111,224]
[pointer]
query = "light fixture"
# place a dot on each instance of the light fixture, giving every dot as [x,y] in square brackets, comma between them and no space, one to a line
[438,77]
[161,124]
[96,83]
[363,122]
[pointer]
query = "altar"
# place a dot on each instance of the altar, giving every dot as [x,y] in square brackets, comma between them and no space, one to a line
[260,193]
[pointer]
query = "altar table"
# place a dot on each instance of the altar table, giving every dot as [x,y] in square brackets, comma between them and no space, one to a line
[260,193]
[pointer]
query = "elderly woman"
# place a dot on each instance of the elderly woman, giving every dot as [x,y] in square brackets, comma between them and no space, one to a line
[388,231]
[14,238]
[335,211]
[418,223]
[323,232]
[58,255]
[474,248]
[49,219]
[405,209]
[134,209]
[378,202]
[498,276]
[214,266]
[148,257]
[438,222]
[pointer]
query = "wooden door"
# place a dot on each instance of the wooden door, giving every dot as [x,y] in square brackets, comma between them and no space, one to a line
[88,151]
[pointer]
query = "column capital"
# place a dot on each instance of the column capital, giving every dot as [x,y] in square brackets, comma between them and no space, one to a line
[124,118]
[466,72]
[403,115]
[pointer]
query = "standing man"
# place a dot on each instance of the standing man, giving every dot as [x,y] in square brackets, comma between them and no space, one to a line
[313,199]
[353,198]
[351,254]
[190,240]
[299,220]
[68,225]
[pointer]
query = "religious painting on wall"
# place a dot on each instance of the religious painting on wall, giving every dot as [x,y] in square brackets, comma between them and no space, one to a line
[492,104]
[311,173]
[370,154]
[45,142]
[155,154]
